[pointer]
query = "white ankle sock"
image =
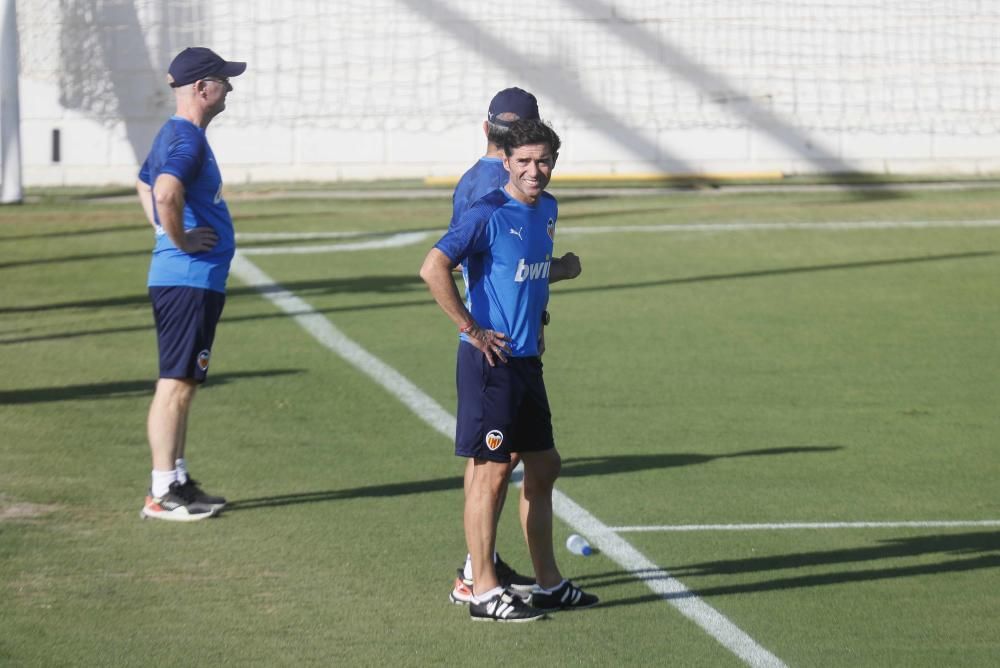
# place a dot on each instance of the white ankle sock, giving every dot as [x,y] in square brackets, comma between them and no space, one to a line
[182,472]
[467,571]
[543,590]
[487,595]
[161,482]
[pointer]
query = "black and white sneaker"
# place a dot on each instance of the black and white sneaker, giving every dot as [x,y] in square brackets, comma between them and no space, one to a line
[175,506]
[521,585]
[566,597]
[193,491]
[504,607]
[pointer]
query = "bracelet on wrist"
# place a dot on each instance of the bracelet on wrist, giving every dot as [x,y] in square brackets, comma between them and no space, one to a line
[467,327]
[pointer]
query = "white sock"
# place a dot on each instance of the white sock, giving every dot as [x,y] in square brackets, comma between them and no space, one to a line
[543,590]
[467,571]
[487,595]
[161,482]
[182,472]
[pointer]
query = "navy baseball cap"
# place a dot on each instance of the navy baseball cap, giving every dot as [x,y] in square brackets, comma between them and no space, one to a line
[197,62]
[512,101]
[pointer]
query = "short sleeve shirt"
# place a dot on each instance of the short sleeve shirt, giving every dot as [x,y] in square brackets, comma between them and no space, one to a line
[506,246]
[181,150]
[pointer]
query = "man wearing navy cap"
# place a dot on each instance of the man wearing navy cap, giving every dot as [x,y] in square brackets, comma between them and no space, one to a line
[180,188]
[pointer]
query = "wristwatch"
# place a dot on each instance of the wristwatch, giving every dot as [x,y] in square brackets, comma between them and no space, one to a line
[545,318]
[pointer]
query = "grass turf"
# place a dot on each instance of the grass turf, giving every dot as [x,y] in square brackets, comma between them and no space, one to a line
[695,377]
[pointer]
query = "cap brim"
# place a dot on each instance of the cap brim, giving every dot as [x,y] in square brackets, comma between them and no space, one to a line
[232,69]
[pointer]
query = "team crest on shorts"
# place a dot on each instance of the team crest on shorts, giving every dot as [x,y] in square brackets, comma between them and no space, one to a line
[551,229]
[494,439]
[203,357]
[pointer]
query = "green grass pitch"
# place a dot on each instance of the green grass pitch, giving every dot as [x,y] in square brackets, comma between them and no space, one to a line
[745,374]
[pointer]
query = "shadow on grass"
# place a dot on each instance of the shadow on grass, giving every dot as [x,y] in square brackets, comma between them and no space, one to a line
[124,388]
[782,271]
[576,467]
[74,258]
[75,233]
[572,468]
[958,553]
[387,284]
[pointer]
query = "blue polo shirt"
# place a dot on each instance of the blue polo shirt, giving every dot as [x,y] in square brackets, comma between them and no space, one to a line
[485,176]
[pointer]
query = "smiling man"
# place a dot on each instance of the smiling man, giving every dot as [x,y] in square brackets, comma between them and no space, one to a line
[506,241]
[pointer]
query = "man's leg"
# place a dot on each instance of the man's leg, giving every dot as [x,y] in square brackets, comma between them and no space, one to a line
[167,423]
[482,501]
[166,427]
[470,466]
[540,472]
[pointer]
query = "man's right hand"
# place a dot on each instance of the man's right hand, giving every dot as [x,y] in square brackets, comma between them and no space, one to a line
[199,240]
[495,345]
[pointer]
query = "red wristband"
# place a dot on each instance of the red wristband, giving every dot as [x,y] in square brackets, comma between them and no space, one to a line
[467,327]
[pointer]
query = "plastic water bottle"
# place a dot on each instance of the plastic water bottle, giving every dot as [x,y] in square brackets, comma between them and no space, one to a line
[578,545]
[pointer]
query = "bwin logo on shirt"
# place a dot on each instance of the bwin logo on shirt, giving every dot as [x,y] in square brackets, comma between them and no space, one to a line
[531,272]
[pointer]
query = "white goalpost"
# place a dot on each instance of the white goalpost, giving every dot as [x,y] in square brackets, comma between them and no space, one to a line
[11,191]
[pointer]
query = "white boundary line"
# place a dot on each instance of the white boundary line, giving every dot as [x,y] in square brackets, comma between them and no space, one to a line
[946,524]
[409,238]
[615,547]
[394,241]
[295,236]
[748,227]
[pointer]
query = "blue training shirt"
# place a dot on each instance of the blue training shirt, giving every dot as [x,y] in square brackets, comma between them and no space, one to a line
[506,246]
[181,149]
[484,177]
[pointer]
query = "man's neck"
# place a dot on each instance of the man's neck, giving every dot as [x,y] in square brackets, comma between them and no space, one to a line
[195,114]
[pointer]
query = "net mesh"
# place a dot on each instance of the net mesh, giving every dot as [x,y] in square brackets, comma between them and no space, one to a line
[920,66]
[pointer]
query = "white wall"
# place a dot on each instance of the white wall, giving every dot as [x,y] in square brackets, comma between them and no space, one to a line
[366,89]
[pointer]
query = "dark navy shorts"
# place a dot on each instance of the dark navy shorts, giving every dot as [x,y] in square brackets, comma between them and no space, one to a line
[501,409]
[185,329]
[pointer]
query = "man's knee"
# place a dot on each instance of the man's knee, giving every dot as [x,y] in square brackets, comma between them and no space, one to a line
[176,390]
[541,469]
[490,475]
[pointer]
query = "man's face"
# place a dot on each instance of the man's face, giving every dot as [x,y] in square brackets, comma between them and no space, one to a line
[215,90]
[530,168]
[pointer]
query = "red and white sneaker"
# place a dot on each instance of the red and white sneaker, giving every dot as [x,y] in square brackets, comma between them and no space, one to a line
[461,593]
[175,506]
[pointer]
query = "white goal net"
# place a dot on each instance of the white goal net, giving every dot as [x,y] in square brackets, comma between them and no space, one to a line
[880,66]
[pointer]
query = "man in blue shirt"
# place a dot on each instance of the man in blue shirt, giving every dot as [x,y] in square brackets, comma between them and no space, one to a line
[180,188]
[505,242]
[485,176]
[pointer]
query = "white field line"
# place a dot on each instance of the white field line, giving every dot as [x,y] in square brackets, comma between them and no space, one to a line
[946,524]
[746,227]
[409,238]
[296,236]
[616,548]
[394,241]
